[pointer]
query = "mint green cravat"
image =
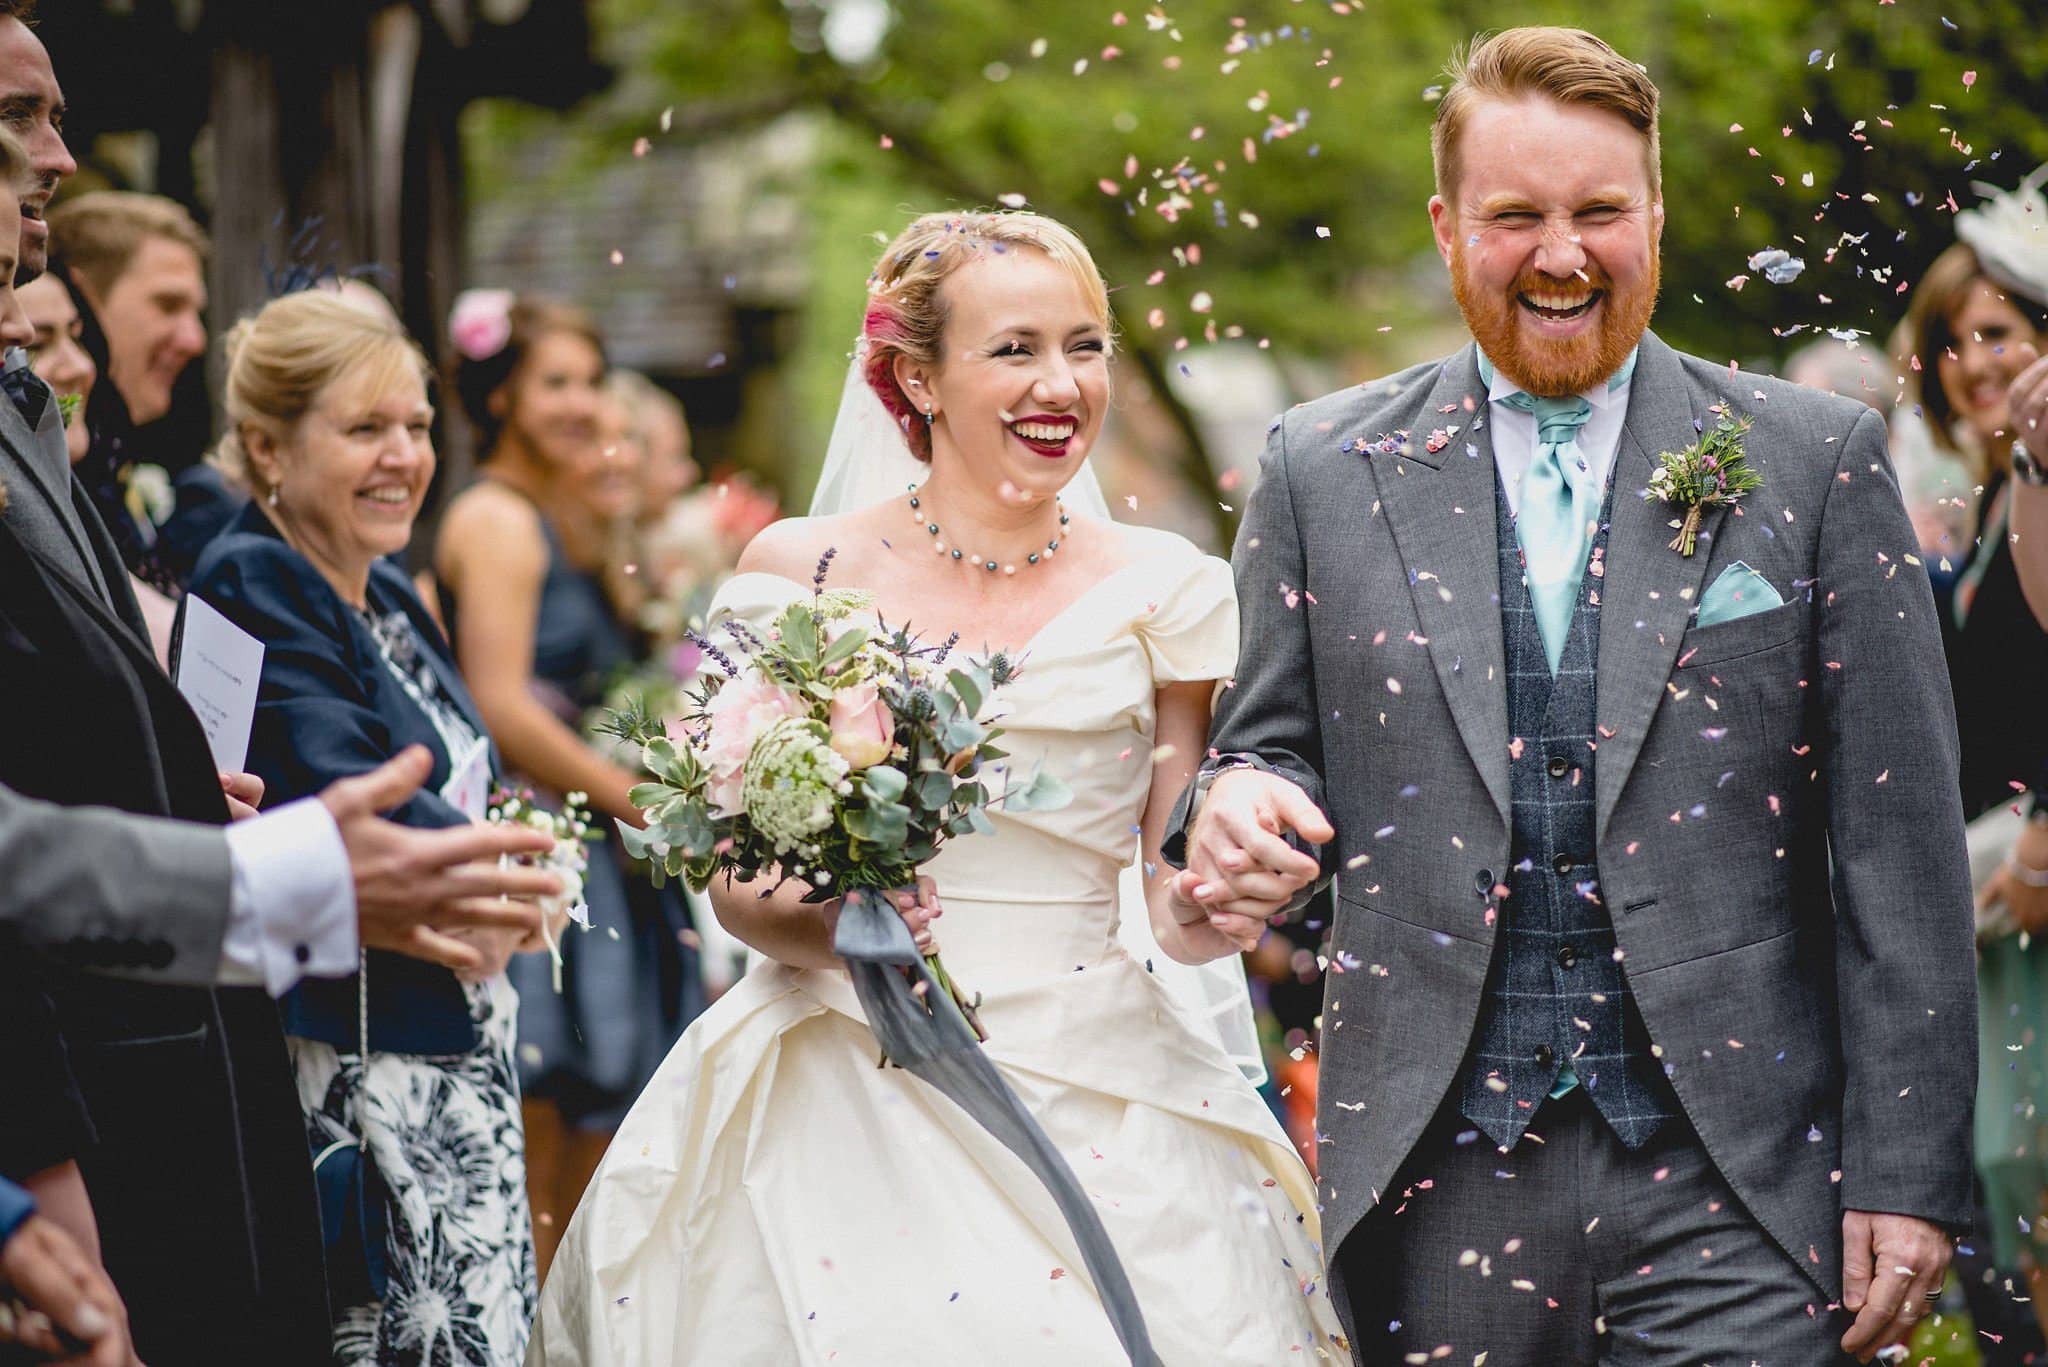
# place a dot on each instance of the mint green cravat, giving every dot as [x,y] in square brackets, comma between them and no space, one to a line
[1559,506]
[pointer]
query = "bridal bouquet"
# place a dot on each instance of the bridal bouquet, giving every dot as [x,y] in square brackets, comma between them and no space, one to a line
[569,860]
[834,750]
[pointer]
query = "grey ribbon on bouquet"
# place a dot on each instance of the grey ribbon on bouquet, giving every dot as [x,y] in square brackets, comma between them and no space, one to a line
[924,1033]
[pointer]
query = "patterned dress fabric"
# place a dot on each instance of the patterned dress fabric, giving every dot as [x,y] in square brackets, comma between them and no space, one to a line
[776,1199]
[445,1134]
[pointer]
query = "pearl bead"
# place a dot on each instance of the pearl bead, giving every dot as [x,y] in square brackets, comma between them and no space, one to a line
[1009,569]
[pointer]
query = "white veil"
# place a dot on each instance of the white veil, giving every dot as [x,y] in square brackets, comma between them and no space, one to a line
[867,461]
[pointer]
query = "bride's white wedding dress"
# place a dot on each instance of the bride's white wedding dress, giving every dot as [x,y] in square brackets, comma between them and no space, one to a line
[776,1198]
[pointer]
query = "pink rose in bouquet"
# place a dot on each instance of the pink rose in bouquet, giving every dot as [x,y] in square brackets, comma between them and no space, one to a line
[737,714]
[863,730]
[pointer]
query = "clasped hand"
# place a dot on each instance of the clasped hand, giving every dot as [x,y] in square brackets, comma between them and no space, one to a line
[1241,872]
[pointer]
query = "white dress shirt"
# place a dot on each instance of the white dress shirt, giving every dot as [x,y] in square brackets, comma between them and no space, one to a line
[1514,433]
[292,913]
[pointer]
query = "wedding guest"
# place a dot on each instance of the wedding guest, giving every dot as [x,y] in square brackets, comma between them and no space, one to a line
[329,434]
[139,262]
[60,356]
[521,560]
[1971,325]
[658,427]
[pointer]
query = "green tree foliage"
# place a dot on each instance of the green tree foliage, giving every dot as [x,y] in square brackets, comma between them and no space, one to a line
[1262,169]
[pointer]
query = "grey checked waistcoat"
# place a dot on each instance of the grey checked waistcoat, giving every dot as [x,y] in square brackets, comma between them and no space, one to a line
[1554,991]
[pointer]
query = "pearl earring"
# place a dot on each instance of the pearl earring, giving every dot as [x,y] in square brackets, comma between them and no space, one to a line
[927,417]
[272,499]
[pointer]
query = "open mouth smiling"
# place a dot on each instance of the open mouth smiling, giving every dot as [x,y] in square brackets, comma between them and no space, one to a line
[1560,308]
[1045,435]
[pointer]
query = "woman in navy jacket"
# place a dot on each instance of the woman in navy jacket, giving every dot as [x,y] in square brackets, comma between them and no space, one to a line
[329,430]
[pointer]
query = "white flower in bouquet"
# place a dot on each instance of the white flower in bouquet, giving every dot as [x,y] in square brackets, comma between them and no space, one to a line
[568,860]
[794,780]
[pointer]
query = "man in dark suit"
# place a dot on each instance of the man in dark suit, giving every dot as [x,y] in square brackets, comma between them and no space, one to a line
[185,1120]
[1646,847]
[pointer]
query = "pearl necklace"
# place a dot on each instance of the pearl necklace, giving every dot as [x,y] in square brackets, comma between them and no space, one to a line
[918,515]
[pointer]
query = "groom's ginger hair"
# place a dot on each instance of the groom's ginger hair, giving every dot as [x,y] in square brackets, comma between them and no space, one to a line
[1569,65]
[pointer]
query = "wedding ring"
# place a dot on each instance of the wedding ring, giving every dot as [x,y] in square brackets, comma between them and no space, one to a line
[1933,1295]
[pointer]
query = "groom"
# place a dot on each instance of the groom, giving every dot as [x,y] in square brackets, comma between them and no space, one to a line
[1649,1031]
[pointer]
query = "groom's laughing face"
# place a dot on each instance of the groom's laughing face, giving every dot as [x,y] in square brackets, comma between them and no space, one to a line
[1551,233]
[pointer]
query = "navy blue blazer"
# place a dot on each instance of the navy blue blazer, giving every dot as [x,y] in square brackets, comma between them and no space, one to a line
[329,708]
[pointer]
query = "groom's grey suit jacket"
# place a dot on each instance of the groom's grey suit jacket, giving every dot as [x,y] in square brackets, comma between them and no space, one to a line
[1778,828]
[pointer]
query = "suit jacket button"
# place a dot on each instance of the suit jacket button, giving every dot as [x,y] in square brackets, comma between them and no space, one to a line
[1544,1056]
[1567,956]
[302,953]
[1559,766]
[1482,882]
[1562,864]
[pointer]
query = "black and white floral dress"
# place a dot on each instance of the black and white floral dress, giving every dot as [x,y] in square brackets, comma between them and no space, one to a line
[445,1134]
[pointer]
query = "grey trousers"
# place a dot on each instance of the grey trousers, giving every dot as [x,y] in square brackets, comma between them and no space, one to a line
[1573,1250]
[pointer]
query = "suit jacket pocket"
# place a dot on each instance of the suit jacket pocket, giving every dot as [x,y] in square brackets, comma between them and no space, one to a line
[1750,635]
[167,1148]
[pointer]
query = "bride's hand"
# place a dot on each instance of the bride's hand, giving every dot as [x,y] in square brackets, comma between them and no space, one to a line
[919,907]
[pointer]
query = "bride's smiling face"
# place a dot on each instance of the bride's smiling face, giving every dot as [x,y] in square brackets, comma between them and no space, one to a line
[1019,397]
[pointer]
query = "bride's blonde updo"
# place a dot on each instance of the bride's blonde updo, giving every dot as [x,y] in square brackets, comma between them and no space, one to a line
[283,357]
[907,315]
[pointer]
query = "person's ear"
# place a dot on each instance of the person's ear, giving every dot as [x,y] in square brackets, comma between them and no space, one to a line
[1443,221]
[915,379]
[499,403]
[263,452]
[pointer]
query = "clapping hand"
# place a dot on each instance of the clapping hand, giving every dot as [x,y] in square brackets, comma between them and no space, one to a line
[1241,871]
[2027,402]
[414,886]
[63,1307]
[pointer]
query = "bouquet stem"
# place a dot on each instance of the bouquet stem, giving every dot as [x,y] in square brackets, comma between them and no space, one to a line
[1688,535]
[967,1008]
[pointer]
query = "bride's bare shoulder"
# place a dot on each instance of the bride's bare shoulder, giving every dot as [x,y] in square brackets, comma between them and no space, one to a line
[792,546]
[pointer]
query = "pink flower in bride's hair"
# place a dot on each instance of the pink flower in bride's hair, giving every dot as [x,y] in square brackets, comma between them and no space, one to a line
[481,323]
[863,731]
[740,711]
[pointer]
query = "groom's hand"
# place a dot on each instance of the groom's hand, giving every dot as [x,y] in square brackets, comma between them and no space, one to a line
[1892,1266]
[1241,870]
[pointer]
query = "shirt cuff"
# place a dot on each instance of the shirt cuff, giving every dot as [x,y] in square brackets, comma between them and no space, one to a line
[16,1205]
[293,911]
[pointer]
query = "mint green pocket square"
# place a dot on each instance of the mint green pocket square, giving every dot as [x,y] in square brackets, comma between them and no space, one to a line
[1737,591]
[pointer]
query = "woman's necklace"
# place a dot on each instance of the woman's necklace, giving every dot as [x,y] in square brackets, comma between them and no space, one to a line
[931,528]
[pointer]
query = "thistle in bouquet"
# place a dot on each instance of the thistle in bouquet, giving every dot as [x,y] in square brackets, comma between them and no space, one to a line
[568,860]
[834,750]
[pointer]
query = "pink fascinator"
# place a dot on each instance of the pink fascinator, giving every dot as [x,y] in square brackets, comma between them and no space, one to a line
[480,324]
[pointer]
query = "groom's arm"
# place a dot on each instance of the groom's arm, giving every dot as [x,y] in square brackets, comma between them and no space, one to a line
[1887,751]
[1266,716]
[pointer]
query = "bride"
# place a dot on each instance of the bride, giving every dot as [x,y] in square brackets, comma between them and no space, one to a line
[774,1197]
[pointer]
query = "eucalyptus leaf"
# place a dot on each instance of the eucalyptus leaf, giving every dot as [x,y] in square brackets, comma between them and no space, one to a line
[884,782]
[968,688]
[1044,791]
[636,841]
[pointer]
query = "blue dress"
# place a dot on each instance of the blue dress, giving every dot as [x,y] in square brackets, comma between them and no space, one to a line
[630,984]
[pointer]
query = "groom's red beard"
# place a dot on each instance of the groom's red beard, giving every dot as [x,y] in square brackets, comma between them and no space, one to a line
[1555,366]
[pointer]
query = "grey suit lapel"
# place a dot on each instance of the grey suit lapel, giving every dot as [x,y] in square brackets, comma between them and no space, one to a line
[1439,506]
[1650,589]
[45,468]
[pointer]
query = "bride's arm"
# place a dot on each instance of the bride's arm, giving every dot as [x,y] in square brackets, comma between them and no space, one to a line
[1178,744]
[799,933]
